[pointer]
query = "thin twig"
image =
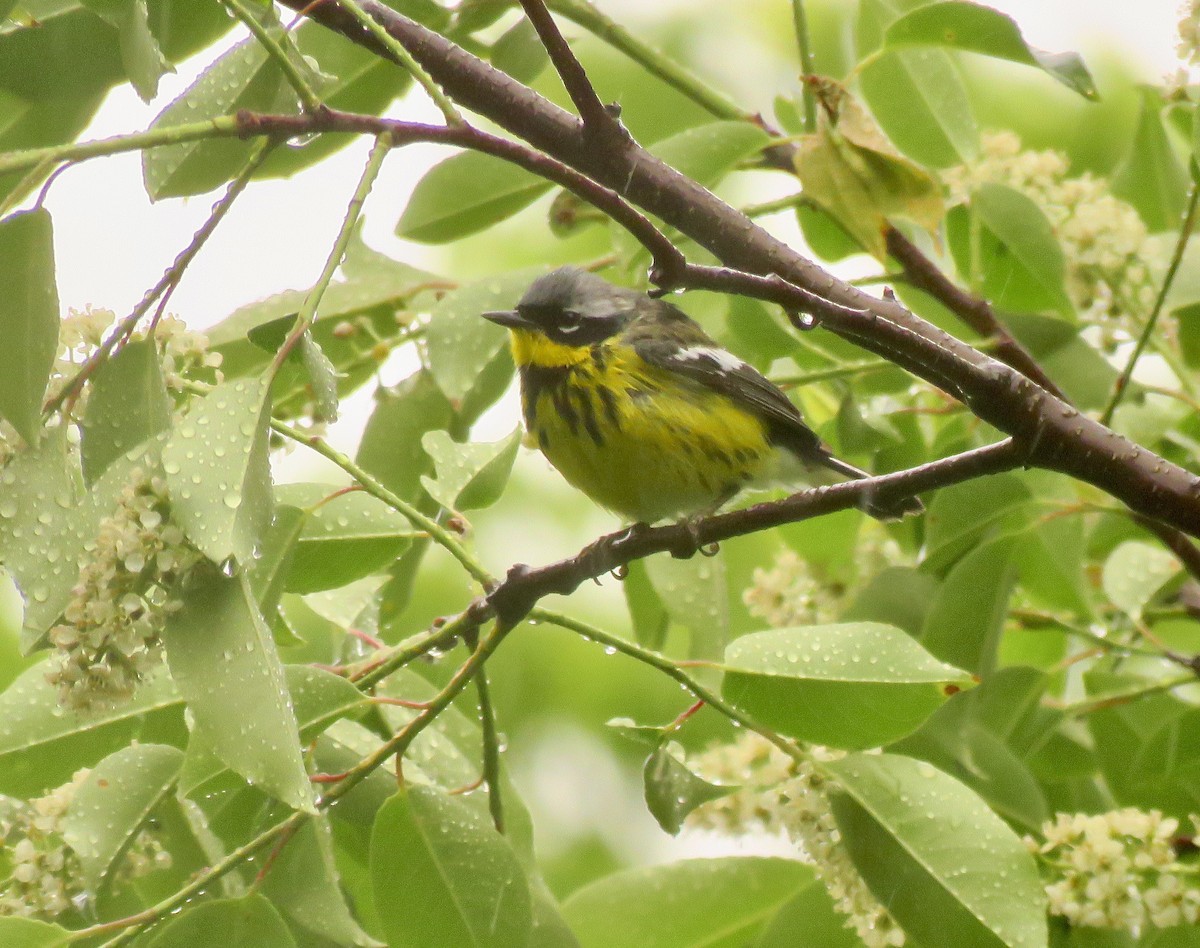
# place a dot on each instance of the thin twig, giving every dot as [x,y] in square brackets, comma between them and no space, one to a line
[308,96]
[596,118]
[1185,233]
[672,670]
[448,109]
[308,311]
[167,282]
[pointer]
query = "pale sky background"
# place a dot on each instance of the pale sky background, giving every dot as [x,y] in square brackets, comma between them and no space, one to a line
[112,243]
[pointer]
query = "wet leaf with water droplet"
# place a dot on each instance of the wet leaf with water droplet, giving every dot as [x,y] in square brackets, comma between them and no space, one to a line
[342,539]
[1135,572]
[228,509]
[469,476]
[977,885]
[46,521]
[852,685]
[672,791]
[113,803]
[128,404]
[443,876]
[221,656]
[305,885]
[42,745]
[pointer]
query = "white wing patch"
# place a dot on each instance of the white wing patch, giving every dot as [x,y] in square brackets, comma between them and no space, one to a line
[725,361]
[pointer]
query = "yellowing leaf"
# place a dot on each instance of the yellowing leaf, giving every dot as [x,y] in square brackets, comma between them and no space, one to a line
[851,171]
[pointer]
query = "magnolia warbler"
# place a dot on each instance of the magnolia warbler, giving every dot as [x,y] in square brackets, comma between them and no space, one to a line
[640,409]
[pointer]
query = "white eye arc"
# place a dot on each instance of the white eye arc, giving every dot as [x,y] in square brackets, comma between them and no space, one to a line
[569,321]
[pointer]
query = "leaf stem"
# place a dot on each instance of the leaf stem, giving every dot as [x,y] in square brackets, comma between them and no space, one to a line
[672,73]
[672,670]
[405,59]
[308,311]
[491,749]
[800,24]
[1185,233]
[308,96]
[372,486]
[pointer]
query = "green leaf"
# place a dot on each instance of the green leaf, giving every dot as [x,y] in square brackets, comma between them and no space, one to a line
[466,194]
[304,884]
[1151,177]
[695,593]
[460,342]
[672,791]
[851,173]
[42,744]
[391,446]
[810,919]
[143,60]
[113,803]
[828,239]
[30,933]
[270,570]
[949,869]
[243,78]
[1025,270]
[520,53]
[222,658]
[128,404]
[851,685]
[342,539]
[46,521]
[646,610]
[979,29]
[469,476]
[1134,573]
[706,153]
[218,471]
[989,737]
[443,876]
[28,319]
[694,903]
[322,377]
[320,699]
[223,923]
[967,615]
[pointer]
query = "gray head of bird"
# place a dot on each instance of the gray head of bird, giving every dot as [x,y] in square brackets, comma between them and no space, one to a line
[571,307]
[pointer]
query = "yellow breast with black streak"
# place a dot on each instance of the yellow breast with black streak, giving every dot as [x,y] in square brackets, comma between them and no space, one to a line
[638,439]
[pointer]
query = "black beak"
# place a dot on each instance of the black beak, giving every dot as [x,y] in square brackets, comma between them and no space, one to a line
[509,318]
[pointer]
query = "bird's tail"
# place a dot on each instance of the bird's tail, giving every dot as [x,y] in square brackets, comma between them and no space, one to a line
[890,509]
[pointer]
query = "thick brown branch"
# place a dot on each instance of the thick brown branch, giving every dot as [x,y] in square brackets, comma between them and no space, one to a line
[1052,433]
[523,586]
[596,118]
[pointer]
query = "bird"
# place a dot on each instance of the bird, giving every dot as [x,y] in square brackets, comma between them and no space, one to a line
[641,410]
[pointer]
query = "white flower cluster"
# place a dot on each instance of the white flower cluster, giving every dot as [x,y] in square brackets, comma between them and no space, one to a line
[1110,258]
[45,878]
[183,351]
[1118,870]
[791,593]
[779,793]
[1188,47]
[110,634]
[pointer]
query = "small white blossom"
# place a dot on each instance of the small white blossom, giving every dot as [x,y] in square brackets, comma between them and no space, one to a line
[109,636]
[45,879]
[779,793]
[1117,870]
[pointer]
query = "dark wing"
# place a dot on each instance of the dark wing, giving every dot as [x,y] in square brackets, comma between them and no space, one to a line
[670,340]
